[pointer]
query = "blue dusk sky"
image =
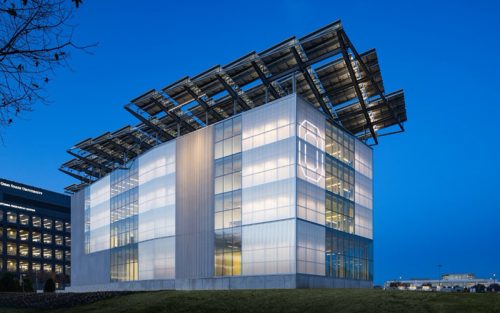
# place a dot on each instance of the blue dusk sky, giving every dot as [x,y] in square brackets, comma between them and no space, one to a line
[436,185]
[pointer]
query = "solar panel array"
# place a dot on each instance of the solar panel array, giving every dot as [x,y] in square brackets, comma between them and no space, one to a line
[323,67]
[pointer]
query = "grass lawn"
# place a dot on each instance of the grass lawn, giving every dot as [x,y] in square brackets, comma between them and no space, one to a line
[302,300]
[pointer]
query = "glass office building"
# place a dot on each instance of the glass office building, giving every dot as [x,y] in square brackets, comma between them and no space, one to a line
[35,233]
[258,174]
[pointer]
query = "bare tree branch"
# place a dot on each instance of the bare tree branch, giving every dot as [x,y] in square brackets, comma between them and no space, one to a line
[35,39]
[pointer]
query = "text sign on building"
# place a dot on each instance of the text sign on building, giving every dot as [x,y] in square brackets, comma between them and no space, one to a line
[22,188]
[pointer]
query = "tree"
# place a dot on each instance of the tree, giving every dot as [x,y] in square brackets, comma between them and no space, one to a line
[27,285]
[8,282]
[49,286]
[494,287]
[479,288]
[35,39]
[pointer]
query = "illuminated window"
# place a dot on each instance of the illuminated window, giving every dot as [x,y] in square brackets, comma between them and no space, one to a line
[58,269]
[67,269]
[67,240]
[23,250]
[1,232]
[47,223]
[24,219]
[58,240]
[23,266]
[11,217]
[36,236]
[228,197]
[11,265]
[47,239]
[67,226]
[11,248]
[47,267]
[23,235]
[47,253]
[11,233]
[58,254]
[59,225]
[36,252]
[67,255]
[36,221]
[36,267]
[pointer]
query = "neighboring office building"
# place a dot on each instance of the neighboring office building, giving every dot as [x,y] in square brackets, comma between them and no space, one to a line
[448,282]
[228,183]
[34,233]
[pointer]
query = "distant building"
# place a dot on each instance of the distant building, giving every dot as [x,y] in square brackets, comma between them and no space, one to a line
[448,282]
[34,233]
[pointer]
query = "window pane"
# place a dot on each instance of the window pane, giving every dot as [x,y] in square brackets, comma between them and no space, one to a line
[219,132]
[23,235]
[24,219]
[47,223]
[11,233]
[218,220]
[47,239]
[11,217]
[37,221]
[219,202]
[23,250]
[36,236]
[228,183]
[11,248]
[36,252]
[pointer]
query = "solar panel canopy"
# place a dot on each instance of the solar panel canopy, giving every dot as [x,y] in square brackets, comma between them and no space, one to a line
[323,67]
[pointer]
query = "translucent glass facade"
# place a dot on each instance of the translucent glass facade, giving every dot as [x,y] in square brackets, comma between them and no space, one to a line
[291,194]
[99,216]
[156,229]
[268,195]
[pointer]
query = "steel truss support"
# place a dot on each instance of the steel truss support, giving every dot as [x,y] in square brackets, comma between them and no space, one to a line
[356,86]
[194,92]
[343,36]
[233,89]
[310,81]
[264,75]
[79,177]
[146,121]
[172,114]
[95,164]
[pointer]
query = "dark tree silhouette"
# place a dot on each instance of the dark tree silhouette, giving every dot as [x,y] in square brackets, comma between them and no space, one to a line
[35,39]
[50,285]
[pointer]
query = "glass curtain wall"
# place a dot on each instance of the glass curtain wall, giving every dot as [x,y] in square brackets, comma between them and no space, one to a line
[228,197]
[124,223]
[348,256]
[348,206]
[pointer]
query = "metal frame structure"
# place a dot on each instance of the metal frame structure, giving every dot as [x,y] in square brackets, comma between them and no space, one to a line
[324,67]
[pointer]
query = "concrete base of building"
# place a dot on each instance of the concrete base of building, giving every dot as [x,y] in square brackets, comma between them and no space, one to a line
[228,283]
